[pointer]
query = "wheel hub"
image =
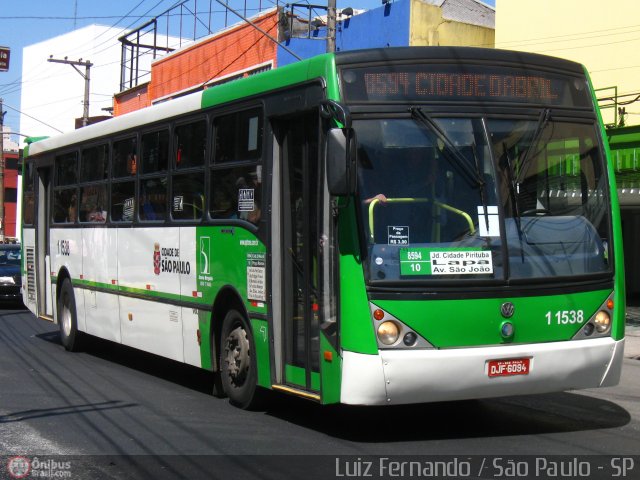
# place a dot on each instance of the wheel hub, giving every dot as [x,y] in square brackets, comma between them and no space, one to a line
[237,356]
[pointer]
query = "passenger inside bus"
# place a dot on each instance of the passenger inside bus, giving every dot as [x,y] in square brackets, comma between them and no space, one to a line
[97,215]
[224,205]
[254,215]
[72,212]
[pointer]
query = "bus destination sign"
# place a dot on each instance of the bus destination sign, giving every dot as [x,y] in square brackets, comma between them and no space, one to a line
[425,84]
[462,83]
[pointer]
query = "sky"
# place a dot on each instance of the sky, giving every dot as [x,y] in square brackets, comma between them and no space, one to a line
[27,22]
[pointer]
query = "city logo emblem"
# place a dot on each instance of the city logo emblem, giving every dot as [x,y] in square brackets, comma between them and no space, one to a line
[156,258]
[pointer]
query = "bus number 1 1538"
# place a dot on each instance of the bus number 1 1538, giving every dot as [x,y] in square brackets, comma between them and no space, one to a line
[564,317]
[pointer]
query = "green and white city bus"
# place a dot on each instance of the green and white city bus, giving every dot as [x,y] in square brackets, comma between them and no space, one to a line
[373,227]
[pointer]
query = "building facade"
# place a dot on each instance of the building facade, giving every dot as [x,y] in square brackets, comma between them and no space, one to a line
[54,93]
[11,180]
[605,41]
[239,50]
[242,50]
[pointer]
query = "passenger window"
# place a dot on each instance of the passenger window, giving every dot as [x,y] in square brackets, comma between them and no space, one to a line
[65,205]
[125,158]
[155,152]
[93,203]
[236,192]
[123,197]
[153,199]
[66,169]
[188,199]
[238,137]
[190,144]
[29,203]
[94,164]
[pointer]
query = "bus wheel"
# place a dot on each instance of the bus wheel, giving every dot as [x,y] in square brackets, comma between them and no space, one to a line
[67,319]
[238,362]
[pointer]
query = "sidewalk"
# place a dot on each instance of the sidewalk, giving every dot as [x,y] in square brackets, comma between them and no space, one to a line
[632,333]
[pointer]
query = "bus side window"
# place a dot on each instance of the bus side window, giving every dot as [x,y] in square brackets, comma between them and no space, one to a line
[65,206]
[155,152]
[125,158]
[238,136]
[65,195]
[93,201]
[188,201]
[153,196]
[190,144]
[123,201]
[29,204]
[235,192]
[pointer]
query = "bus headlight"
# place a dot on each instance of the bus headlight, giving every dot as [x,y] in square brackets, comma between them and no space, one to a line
[388,333]
[602,321]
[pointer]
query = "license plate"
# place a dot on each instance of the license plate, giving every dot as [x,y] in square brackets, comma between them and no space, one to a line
[506,368]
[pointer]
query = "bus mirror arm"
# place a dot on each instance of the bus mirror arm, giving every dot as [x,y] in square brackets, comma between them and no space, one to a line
[330,109]
[341,161]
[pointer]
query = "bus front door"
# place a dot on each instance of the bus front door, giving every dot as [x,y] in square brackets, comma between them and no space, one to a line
[301,214]
[43,257]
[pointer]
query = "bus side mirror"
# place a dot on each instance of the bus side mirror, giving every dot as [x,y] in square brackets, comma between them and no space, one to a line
[341,161]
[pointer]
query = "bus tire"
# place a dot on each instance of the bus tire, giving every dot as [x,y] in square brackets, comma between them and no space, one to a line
[70,336]
[239,372]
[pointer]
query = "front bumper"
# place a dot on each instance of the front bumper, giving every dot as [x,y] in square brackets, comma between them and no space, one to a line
[395,377]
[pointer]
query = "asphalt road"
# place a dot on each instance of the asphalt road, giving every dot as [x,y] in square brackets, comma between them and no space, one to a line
[110,404]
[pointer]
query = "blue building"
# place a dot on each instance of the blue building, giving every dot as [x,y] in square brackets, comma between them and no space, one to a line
[394,24]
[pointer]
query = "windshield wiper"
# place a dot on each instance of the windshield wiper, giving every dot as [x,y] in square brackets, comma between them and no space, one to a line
[512,184]
[450,150]
[513,196]
[543,121]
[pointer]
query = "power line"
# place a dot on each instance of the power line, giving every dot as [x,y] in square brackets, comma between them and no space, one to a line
[18,82]
[554,38]
[33,118]
[591,46]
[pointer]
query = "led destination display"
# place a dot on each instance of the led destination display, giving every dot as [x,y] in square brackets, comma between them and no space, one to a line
[462,83]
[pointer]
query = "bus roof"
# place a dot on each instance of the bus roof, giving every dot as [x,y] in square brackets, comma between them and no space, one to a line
[456,54]
[321,66]
[292,74]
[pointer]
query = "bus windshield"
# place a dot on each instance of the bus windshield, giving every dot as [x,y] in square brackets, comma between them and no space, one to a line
[482,199]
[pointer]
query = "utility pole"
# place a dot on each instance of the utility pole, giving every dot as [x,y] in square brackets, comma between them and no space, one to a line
[2,112]
[331,26]
[87,79]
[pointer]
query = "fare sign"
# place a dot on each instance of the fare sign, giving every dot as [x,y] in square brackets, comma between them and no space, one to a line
[4,59]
